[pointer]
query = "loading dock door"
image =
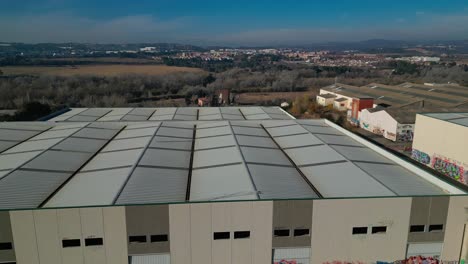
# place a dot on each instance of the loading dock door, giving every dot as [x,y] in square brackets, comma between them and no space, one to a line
[424,249]
[151,259]
[291,256]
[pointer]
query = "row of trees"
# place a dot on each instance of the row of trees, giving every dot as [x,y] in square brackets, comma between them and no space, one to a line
[100,91]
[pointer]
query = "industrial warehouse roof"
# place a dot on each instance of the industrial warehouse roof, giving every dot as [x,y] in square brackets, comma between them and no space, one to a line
[406,93]
[171,113]
[54,164]
[380,97]
[456,118]
[441,97]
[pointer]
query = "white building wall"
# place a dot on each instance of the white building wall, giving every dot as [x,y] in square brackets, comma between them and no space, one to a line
[192,241]
[333,222]
[443,146]
[349,103]
[380,123]
[38,235]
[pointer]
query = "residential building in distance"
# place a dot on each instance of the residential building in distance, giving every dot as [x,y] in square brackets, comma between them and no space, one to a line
[441,142]
[326,99]
[215,185]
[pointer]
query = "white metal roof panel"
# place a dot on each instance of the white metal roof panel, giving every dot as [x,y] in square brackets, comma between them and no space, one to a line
[80,118]
[28,189]
[110,160]
[257,117]
[298,140]
[90,188]
[171,143]
[265,156]
[215,157]
[255,141]
[222,183]
[251,131]
[344,180]
[400,180]
[215,131]
[155,185]
[166,158]
[130,143]
[133,133]
[61,160]
[175,132]
[314,155]
[16,134]
[275,182]
[361,154]
[55,133]
[286,130]
[339,140]
[323,130]
[80,144]
[12,161]
[215,142]
[34,145]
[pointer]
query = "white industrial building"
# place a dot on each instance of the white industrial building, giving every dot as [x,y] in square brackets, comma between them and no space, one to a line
[121,186]
[441,142]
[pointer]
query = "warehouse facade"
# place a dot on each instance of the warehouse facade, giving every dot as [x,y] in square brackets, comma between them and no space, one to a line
[217,191]
[308,231]
[447,154]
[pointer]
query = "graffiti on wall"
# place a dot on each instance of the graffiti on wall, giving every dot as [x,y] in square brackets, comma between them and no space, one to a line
[420,157]
[450,168]
[365,125]
[406,137]
[285,262]
[378,131]
[391,136]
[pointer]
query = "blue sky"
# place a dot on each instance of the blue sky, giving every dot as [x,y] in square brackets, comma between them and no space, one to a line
[240,22]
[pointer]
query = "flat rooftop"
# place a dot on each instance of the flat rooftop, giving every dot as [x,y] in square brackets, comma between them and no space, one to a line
[171,113]
[66,164]
[455,118]
[435,95]
[380,97]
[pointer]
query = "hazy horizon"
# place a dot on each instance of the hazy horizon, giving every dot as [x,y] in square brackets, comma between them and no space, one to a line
[247,23]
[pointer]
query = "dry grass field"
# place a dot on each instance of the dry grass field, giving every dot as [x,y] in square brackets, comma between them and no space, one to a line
[254,98]
[100,70]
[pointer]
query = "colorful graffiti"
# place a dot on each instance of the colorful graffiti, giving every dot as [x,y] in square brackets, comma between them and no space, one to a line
[406,137]
[378,131]
[343,262]
[285,262]
[365,125]
[449,168]
[420,156]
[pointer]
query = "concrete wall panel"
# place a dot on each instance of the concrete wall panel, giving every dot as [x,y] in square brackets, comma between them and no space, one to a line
[333,222]
[49,245]
[179,215]
[6,237]
[69,226]
[457,218]
[92,226]
[115,232]
[201,235]
[261,234]
[24,236]
[148,220]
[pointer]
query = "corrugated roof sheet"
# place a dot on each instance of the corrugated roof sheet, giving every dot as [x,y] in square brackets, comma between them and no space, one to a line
[171,113]
[79,164]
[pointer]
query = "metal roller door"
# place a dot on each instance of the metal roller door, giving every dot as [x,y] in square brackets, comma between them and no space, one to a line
[291,256]
[151,259]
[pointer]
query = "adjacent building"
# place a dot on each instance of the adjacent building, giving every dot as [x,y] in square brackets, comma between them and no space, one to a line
[215,191]
[393,110]
[441,142]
